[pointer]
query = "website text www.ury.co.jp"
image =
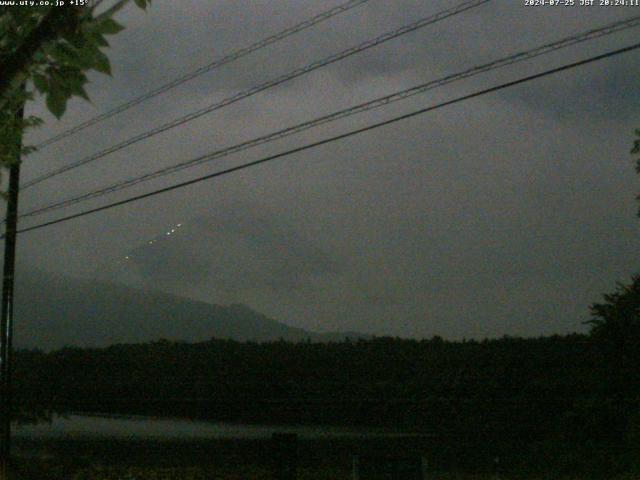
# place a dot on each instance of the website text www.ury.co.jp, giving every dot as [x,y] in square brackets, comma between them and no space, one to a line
[45,3]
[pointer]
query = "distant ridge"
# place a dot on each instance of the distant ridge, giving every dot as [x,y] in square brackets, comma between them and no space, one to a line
[53,311]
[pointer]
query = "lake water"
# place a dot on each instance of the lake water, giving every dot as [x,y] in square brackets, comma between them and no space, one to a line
[90,426]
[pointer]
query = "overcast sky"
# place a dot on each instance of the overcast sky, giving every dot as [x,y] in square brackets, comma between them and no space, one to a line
[505,214]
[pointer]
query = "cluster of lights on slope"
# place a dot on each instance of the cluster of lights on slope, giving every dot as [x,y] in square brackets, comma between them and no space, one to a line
[151,242]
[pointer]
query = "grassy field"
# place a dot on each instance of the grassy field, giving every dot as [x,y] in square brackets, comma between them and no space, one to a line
[92,459]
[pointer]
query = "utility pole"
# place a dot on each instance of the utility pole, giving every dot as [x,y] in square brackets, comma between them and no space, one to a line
[6,319]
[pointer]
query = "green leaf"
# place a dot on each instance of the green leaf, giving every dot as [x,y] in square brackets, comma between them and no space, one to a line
[76,83]
[56,103]
[101,63]
[99,40]
[142,4]
[109,27]
[73,81]
[41,83]
[59,83]
[65,53]
[81,92]
[76,39]
[87,56]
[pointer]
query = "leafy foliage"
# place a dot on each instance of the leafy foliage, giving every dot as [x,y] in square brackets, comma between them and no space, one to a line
[11,127]
[72,44]
[619,316]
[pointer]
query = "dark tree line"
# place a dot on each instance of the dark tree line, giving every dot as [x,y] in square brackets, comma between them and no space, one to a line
[570,401]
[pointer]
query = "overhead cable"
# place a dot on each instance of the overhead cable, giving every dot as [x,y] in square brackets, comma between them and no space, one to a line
[332,139]
[262,87]
[228,58]
[362,107]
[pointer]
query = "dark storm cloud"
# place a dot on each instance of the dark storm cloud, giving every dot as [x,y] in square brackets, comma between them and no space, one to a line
[506,214]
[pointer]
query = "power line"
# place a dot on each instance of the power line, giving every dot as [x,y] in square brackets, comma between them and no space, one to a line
[335,138]
[264,86]
[366,106]
[230,57]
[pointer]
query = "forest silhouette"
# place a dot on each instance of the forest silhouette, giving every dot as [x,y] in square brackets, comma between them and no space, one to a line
[570,401]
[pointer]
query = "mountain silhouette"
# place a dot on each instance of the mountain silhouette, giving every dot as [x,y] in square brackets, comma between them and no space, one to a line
[53,311]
